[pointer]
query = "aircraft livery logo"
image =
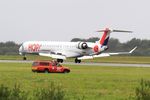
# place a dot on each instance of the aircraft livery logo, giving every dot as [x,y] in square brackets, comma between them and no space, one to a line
[34,47]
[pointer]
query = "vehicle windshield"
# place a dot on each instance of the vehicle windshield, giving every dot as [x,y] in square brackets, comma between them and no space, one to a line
[55,63]
[35,64]
[59,65]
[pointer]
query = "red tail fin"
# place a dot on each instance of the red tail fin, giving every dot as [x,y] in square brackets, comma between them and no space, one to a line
[105,37]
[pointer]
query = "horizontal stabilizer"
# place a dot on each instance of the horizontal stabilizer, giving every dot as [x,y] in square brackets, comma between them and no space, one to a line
[114,31]
[121,31]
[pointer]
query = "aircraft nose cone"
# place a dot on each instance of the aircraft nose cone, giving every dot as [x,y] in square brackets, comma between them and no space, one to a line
[21,49]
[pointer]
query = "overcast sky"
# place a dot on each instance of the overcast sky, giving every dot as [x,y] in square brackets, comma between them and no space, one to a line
[62,20]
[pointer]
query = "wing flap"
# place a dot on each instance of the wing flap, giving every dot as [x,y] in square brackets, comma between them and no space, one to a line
[85,57]
[53,55]
[102,55]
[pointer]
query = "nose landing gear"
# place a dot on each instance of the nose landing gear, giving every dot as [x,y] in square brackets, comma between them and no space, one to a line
[24,58]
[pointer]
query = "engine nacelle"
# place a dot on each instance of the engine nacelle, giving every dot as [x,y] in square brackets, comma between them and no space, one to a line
[82,45]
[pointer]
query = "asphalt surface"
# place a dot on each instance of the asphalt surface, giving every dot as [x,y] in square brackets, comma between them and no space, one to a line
[83,63]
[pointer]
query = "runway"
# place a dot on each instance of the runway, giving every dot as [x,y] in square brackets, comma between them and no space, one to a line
[83,63]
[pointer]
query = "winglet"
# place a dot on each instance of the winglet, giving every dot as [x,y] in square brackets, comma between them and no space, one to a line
[133,49]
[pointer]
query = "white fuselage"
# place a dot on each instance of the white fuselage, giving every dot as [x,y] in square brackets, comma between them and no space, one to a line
[69,49]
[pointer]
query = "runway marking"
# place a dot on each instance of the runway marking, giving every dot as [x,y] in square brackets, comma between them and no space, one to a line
[111,64]
[85,64]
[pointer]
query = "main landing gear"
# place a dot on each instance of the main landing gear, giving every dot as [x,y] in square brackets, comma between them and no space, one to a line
[60,60]
[77,61]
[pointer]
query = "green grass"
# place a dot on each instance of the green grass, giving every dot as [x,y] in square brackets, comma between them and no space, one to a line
[112,59]
[90,82]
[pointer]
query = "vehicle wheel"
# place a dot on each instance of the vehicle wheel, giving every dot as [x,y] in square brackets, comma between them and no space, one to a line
[66,71]
[46,71]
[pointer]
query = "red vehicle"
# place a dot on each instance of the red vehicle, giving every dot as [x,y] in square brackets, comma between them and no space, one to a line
[49,67]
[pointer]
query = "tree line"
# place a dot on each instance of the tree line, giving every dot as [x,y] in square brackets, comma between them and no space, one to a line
[11,48]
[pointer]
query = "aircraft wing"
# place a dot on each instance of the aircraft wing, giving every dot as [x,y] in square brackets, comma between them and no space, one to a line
[56,56]
[106,54]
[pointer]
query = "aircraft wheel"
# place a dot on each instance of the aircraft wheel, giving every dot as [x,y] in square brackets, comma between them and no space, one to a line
[60,60]
[24,58]
[66,71]
[77,61]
